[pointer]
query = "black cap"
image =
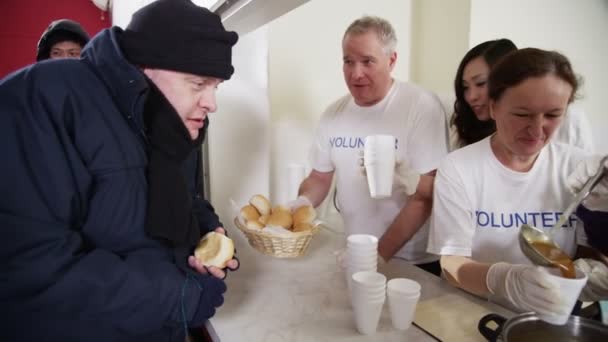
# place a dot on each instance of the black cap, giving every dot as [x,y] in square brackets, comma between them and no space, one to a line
[180,36]
[60,31]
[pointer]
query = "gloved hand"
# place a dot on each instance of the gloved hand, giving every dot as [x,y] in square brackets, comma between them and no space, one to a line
[301,201]
[596,288]
[526,287]
[405,178]
[598,198]
[212,296]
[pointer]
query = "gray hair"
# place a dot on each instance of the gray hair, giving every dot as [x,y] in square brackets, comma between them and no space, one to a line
[383,29]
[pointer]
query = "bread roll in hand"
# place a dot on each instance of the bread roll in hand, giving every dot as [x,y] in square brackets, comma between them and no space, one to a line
[214,249]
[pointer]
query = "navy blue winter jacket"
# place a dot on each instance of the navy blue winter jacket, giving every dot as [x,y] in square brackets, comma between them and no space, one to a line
[76,264]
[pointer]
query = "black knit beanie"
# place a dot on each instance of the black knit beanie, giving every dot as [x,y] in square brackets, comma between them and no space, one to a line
[60,31]
[180,36]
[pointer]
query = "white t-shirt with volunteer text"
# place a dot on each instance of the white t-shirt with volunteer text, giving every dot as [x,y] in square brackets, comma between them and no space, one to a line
[411,114]
[479,204]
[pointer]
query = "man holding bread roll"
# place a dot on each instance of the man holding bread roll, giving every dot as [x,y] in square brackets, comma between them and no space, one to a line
[378,104]
[99,215]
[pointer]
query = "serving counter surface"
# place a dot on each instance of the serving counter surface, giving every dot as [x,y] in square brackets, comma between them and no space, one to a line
[306,299]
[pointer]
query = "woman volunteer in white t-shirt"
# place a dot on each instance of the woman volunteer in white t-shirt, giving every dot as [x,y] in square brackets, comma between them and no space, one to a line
[485,191]
[469,121]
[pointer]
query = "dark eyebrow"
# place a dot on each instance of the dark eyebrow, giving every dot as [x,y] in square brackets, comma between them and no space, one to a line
[476,77]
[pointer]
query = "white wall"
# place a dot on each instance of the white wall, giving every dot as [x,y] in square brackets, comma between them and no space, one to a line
[305,71]
[239,133]
[578,29]
[440,37]
[123,9]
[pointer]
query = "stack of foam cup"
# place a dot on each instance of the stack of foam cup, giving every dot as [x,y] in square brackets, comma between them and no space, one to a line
[368,294]
[361,255]
[379,162]
[403,295]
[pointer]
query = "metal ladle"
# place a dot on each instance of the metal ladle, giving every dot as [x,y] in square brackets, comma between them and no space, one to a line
[529,234]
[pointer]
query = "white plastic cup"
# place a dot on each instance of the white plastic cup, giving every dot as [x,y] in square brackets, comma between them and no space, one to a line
[358,253]
[379,161]
[403,287]
[352,269]
[369,280]
[365,282]
[368,295]
[570,289]
[403,295]
[362,240]
[367,315]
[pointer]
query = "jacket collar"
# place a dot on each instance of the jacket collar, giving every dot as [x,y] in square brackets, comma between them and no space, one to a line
[124,81]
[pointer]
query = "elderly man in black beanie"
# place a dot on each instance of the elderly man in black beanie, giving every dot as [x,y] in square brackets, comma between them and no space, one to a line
[100,208]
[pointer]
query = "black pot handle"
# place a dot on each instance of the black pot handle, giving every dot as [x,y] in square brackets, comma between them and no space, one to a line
[489,334]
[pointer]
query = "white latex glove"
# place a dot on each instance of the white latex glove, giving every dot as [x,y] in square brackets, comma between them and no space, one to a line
[405,178]
[598,198]
[526,287]
[596,288]
[301,201]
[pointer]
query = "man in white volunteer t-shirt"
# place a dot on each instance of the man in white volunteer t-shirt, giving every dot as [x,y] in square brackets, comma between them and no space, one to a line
[378,104]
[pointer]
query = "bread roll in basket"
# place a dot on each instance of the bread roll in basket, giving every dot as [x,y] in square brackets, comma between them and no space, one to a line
[298,228]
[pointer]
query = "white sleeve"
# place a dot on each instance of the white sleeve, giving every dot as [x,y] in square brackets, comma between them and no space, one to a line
[320,151]
[452,220]
[427,135]
[576,129]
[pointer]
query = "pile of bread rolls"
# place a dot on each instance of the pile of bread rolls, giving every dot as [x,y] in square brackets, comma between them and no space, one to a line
[259,213]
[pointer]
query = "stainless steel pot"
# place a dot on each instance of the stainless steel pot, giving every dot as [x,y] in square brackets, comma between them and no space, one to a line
[528,327]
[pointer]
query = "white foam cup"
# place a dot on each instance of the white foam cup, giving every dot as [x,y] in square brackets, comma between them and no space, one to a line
[367,315]
[569,289]
[403,295]
[360,240]
[379,161]
[367,296]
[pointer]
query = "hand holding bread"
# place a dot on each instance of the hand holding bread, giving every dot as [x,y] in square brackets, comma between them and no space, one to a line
[259,214]
[214,249]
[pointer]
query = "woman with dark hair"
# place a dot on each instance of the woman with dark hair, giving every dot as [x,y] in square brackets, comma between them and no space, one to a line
[484,192]
[471,122]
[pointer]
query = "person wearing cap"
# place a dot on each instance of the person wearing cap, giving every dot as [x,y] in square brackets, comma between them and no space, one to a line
[97,216]
[64,38]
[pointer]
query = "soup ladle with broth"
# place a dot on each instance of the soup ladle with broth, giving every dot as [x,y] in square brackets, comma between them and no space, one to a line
[540,247]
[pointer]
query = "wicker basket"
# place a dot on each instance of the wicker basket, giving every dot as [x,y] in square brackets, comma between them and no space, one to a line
[291,246]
